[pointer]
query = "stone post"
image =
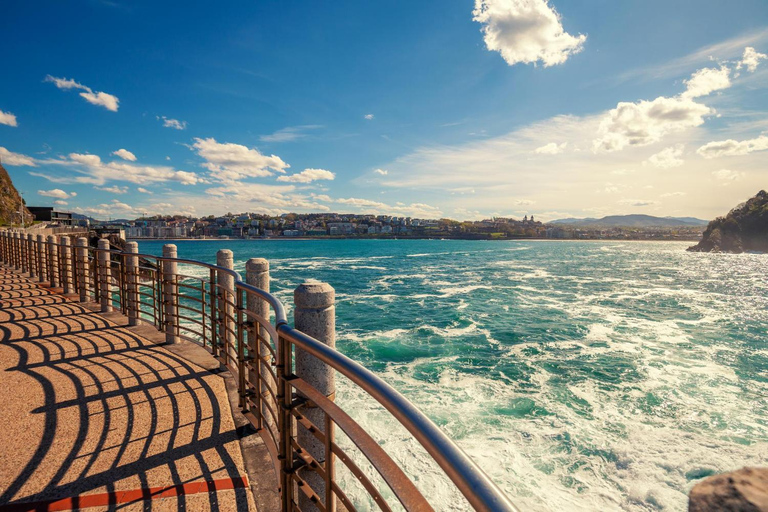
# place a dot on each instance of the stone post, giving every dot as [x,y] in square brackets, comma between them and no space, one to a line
[32,255]
[315,315]
[226,294]
[17,246]
[132,282]
[23,247]
[81,269]
[66,265]
[53,261]
[257,274]
[105,276]
[42,259]
[170,294]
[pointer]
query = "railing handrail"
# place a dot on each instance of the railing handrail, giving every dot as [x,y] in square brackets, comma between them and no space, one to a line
[469,478]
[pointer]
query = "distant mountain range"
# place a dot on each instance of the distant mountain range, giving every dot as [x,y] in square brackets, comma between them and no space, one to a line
[633,221]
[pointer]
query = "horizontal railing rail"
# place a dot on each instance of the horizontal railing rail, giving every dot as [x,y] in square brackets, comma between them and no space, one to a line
[285,375]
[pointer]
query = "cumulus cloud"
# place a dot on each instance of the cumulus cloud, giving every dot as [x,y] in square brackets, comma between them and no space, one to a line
[90,169]
[10,158]
[638,202]
[368,116]
[727,176]
[732,147]
[57,193]
[668,157]
[646,122]
[526,31]
[264,198]
[751,59]
[308,176]
[125,155]
[103,99]
[552,148]
[706,81]
[381,172]
[115,189]
[377,207]
[144,191]
[60,202]
[232,162]
[172,123]
[8,119]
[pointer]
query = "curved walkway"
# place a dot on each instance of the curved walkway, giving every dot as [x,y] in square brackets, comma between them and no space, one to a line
[94,415]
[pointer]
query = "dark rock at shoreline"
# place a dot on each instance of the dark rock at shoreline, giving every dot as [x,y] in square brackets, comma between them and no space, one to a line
[745,490]
[744,229]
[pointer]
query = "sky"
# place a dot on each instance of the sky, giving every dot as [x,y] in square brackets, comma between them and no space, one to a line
[464,109]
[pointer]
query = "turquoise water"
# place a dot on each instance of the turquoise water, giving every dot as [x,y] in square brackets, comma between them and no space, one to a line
[579,375]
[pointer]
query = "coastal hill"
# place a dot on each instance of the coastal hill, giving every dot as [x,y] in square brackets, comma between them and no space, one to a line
[745,228]
[634,221]
[10,200]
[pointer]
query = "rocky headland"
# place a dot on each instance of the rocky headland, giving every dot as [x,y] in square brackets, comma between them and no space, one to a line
[744,229]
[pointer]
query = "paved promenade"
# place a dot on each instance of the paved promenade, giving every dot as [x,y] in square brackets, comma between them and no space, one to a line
[93,414]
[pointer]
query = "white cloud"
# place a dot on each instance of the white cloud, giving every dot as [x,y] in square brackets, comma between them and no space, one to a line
[57,193]
[751,59]
[289,133]
[381,172]
[732,147]
[377,207]
[103,99]
[646,122]
[726,176]
[232,162]
[526,31]
[674,194]
[258,197]
[90,169]
[125,155]
[173,123]
[668,157]
[368,116]
[60,202]
[115,189]
[8,119]
[308,176]
[638,202]
[551,149]
[10,158]
[144,191]
[706,81]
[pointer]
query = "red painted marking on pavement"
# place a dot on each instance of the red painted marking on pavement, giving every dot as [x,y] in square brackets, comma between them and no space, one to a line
[123,497]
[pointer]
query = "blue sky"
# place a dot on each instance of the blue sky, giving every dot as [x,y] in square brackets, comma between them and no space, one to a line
[459,109]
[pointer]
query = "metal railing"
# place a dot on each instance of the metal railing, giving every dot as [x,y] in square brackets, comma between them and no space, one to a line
[285,375]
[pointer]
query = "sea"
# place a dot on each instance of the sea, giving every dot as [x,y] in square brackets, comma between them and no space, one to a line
[580,375]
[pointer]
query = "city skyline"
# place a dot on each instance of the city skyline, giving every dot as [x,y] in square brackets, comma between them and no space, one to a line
[467,110]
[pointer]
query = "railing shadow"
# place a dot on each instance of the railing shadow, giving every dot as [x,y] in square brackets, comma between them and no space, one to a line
[119,413]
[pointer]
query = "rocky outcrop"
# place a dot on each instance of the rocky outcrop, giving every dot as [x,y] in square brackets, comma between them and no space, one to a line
[745,228]
[745,490]
[10,201]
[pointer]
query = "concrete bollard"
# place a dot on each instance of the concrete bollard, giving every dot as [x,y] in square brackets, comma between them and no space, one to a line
[257,274]
[66,265]
[105,276]
[53,261]
[170,295]
[82,268]
[315,315]
[32,255]
[42,259]
[132,282]
[226,295]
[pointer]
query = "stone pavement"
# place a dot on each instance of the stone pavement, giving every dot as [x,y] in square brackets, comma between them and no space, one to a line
[96,416]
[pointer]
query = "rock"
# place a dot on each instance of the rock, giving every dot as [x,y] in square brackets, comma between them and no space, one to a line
[745,228]
[745,490]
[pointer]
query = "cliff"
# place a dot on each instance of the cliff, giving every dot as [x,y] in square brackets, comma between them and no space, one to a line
[745,228]
[10,200]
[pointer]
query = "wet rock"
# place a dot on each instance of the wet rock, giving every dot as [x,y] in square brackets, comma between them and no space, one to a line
[745,490]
